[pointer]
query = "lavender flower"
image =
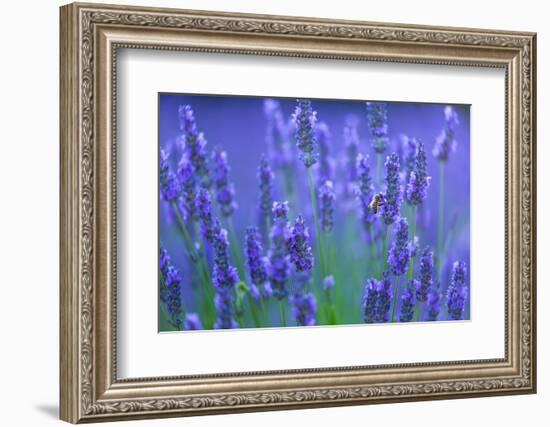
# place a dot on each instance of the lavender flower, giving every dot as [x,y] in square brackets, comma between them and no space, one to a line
[170,288]
[377,118]
[419,181]
[192,322]
[365,190]
[304,308]
[298,246]
[407,302]
[187,180]
[446,142]
[224,306]
[304,118]
[194,144]
[351,141]
[434,306]
[392,203]
[426,271]
[325,166]
[225,192]
[265,178]
[280,154]
[377,300]
[457,292]
[399,253]
[169,185]
[257,263]
[410,149]
[206,217]
[328,283]
[413,246]
[326,199]
[278,267]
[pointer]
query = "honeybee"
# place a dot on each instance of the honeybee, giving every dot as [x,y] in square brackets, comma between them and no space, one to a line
[376,202]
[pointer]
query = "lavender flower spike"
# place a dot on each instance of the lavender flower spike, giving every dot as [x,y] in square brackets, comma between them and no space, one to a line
[399,253]
[377,300]
[194,144]
[298,246]
[305,118]
[170,289]
[326,208]
[265,178]
[377,117]
[445,142]
[365,190]
[278,267]
[225,192]
[419,181]
[170,187]
[390,208]
[192,322]
[457,292]
[351,141]
[187,180]
[426,271]
[325,166]
[257,263]
[328,282]
[407,302]
[280,155]
[204,209]
[304,308]
[434,306]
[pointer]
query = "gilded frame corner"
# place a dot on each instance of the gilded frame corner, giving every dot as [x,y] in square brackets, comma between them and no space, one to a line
[90,36]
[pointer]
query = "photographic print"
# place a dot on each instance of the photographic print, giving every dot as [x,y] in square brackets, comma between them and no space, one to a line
[285,212]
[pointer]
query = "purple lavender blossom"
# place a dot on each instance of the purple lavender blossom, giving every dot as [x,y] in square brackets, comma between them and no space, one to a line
[413,246]
[194,144]
[225,192]
[377,300]
[298,246]
[328,282]
[170,187]
[426,271]
[265,178]
[170,289]
[279,260]
[392,203]
[325,165]
[410,150]
[187,180]
[206,217]
[445,142]
[408,302]
[280,153]
[326,208]
[304,119]
[365,190]
[457,292]
[377,118]
[419,181]
[399,253]
[257,263]
[434,305]
[224,306]
[351,142]
[304,308]
[192,322]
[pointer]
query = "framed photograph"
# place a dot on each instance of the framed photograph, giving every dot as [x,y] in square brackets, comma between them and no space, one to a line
[266,212]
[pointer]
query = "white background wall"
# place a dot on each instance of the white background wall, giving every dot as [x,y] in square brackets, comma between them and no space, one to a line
[29,170]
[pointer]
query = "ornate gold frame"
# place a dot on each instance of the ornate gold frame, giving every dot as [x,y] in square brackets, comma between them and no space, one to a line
[90,36]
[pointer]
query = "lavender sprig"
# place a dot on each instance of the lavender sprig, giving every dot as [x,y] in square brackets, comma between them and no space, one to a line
[194,144]
[257,263]
[278,267]
[298,246]
[377,300]
[419,181]
[192,322]
[351,142]
[326,202]
[365,190]
[304,308]
[170,289]
[457,292]
[426,271]
[391,207]
[225,191]
[280,154]
[265,178]
[434,305]
[399,253]
[206,216]
[186,178]
[170,187]
[325,165]
[377,118]
[445,142]
[304,119]
[408,302]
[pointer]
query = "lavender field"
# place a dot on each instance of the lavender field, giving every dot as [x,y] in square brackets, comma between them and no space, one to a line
[284,212]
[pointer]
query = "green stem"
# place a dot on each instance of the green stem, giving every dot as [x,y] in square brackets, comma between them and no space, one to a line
[317,228]
[282,312]
[440,218]
[394,303]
